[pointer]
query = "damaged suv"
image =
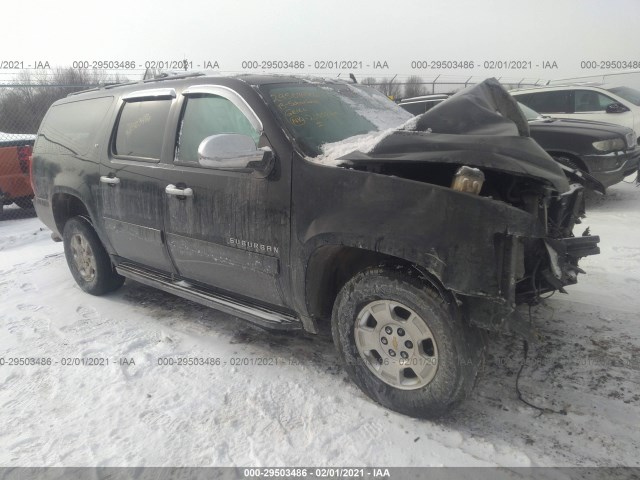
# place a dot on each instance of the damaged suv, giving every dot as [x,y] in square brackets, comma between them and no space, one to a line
[290,201]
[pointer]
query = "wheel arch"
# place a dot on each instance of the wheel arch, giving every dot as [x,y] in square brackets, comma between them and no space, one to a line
[330,267]
[66,206]
[571,156]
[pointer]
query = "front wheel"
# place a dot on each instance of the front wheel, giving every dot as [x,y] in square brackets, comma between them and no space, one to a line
[87,259]
[403,344]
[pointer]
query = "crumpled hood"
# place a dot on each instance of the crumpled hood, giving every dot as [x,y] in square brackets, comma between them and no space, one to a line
[480,126]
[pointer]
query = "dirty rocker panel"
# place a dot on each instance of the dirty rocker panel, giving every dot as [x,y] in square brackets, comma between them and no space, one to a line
[256,314]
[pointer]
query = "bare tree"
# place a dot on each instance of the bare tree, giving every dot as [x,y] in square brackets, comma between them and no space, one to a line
[389,87]
[23,107]
[414,87]
[369,81]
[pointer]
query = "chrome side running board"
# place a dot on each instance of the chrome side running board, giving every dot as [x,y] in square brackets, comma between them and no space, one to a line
[252,313]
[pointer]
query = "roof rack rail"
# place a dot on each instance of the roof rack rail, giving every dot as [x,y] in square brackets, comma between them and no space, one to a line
[100,87]
[172,76]
[107,86]
[92,89]
[169,76]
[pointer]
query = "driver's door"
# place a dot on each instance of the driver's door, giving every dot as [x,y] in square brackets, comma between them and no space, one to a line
[231,229]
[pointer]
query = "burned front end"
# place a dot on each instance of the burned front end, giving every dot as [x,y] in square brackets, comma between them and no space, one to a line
[521,238]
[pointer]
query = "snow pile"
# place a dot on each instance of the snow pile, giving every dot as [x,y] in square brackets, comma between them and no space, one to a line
[284,400]
[333,152]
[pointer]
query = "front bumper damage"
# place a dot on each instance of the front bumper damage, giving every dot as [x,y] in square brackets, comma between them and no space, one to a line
[531,267]
[506,245]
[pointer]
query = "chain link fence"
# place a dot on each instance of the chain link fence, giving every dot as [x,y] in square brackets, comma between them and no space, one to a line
[22,108]
[619,79]
[25,98]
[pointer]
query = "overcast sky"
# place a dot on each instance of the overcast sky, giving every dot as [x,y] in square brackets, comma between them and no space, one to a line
[398,32]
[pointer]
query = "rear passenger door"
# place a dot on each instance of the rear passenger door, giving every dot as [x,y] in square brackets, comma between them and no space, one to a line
[232,231]
[132,179]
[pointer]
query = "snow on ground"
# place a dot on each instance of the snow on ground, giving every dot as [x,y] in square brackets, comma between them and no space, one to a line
[301,409]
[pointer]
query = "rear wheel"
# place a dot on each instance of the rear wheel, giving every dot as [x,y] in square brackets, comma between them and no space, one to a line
[403,344]
[88,261]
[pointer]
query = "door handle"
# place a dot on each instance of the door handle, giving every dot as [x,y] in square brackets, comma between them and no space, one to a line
[110,180]
[178,192]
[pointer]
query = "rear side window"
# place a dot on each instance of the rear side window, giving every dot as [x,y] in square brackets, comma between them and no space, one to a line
[548,102]
[72,127]
[140,131]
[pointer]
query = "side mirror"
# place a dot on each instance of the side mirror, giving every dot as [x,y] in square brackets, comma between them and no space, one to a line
[616,107]
[235,152]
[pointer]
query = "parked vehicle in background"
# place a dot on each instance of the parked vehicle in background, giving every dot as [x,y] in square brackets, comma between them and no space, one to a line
[606,151]
[600,103]
[15,158]
[422,104]
[292,201]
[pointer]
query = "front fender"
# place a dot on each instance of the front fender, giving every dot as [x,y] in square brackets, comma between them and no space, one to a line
[458,237]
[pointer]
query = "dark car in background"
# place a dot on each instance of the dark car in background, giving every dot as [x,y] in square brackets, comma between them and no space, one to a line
[422,104]
[606,151]
[585,101]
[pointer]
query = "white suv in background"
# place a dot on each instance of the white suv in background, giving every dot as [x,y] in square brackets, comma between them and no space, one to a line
[601,103]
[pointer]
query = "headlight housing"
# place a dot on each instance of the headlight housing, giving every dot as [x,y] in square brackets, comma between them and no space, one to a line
[468,179]
[610,145]
[631,140]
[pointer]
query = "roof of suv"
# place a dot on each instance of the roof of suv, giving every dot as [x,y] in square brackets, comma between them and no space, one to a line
[568,86]
[435,96]
[250,79]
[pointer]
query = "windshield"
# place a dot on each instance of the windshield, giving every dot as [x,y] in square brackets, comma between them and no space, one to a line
[529,113]
[629,94]
[321,113]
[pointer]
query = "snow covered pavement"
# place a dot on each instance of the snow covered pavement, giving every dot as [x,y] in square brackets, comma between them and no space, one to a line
[272,399]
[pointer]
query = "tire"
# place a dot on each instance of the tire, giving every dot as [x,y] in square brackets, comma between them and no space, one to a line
[88,261]
[441,358]
[25,203]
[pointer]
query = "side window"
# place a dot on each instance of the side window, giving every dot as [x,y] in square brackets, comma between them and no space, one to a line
[549,102]
[205,115]
[72,126]
[416,108]
[590,101]
[141,127]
